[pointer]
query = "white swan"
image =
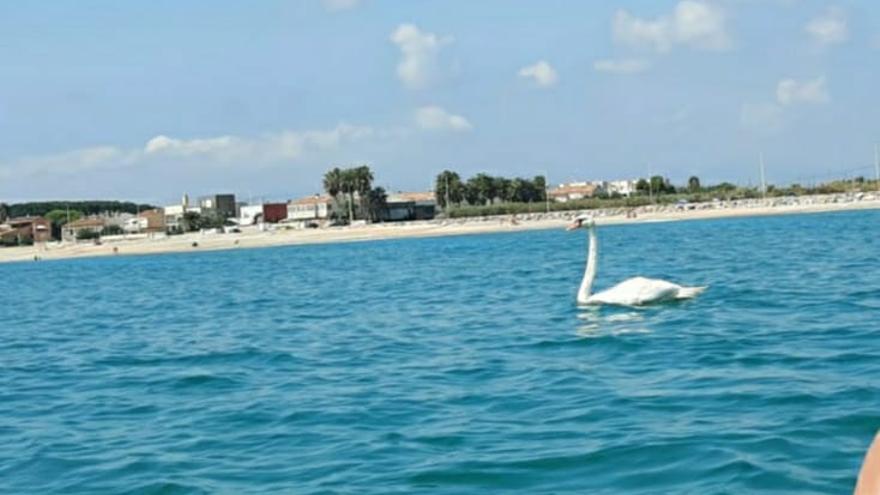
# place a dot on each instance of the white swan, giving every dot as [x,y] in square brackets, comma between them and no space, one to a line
[636,291]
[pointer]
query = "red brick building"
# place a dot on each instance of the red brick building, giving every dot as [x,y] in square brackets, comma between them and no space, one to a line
[274,212]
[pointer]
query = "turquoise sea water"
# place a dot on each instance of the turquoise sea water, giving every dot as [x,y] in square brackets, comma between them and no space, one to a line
[450,365]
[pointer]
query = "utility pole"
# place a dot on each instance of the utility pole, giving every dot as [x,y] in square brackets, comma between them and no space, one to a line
[763,182]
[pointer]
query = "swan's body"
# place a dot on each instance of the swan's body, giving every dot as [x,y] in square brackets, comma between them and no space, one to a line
[636,291]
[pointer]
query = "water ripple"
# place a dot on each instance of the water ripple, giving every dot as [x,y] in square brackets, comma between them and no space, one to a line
[452,365]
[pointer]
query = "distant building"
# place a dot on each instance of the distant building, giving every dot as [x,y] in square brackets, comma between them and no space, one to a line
[174,213]
[150,221]
[312,208]
[622,187]
[573,191]
[221,204]
[587,189]
[410,206]
[264,213]
[71,231]
[26,229]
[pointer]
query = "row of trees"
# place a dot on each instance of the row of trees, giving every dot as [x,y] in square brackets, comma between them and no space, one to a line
[42,208]
[484,189]
[352,190]
[658,185]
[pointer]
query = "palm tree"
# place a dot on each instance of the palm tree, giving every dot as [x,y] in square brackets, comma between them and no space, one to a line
[448,189]
[501,187]
[333,183]
[518,191]
[484,187]
[540,185]
[363,185]
[377,201]
[694,183]
[347,188]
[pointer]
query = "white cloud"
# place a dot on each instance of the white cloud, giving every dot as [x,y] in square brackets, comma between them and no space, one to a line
[692,23]
[337,5]
[829,28]
[621,66]
[216,151]
[791,92]
[419,50]
[764,118]
[542,73]
[437,119]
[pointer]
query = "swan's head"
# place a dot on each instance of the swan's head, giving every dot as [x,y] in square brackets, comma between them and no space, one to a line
[583,221]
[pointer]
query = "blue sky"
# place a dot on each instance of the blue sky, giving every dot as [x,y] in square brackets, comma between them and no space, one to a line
[146,100]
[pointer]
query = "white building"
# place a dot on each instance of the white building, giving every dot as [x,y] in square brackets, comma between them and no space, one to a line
[136,224]
[573,191]
[174,213]
[586,189]
[622,187]
[317,208]
[250,214]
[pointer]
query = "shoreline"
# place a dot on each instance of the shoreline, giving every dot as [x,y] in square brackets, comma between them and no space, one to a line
[252,238]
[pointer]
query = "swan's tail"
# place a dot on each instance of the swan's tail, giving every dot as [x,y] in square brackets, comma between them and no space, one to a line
[690,292]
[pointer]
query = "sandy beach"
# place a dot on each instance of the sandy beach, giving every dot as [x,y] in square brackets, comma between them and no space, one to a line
[255,238]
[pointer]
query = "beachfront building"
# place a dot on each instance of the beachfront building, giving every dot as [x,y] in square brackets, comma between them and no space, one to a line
[622,187]
[149,221]
[573,191]
[221,204]
[403,206]
[317,208]
[89,226]
[25,230]
[587,189]
[174,213]
[262,213]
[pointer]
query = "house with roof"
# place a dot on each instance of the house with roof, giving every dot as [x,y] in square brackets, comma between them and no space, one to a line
[403,206]
[221,204]
[25,230]
[262,213]
[82,228]
[573,191]
[149,221]
[317,208]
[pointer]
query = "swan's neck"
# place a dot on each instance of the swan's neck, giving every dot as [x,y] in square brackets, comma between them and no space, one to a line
[590,271]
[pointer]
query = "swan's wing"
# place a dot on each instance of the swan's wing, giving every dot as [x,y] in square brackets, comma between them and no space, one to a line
[653,290]
[637,291]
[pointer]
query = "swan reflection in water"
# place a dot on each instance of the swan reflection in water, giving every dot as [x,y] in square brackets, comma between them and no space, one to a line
[596,321]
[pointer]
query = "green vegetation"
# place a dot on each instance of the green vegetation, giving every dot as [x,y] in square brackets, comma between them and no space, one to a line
[112,230]
[59,218]
[483,189]
[352,190]
[85,207]
[87,235]
[523,208]
[377,202]
[193,221]
[660,191]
